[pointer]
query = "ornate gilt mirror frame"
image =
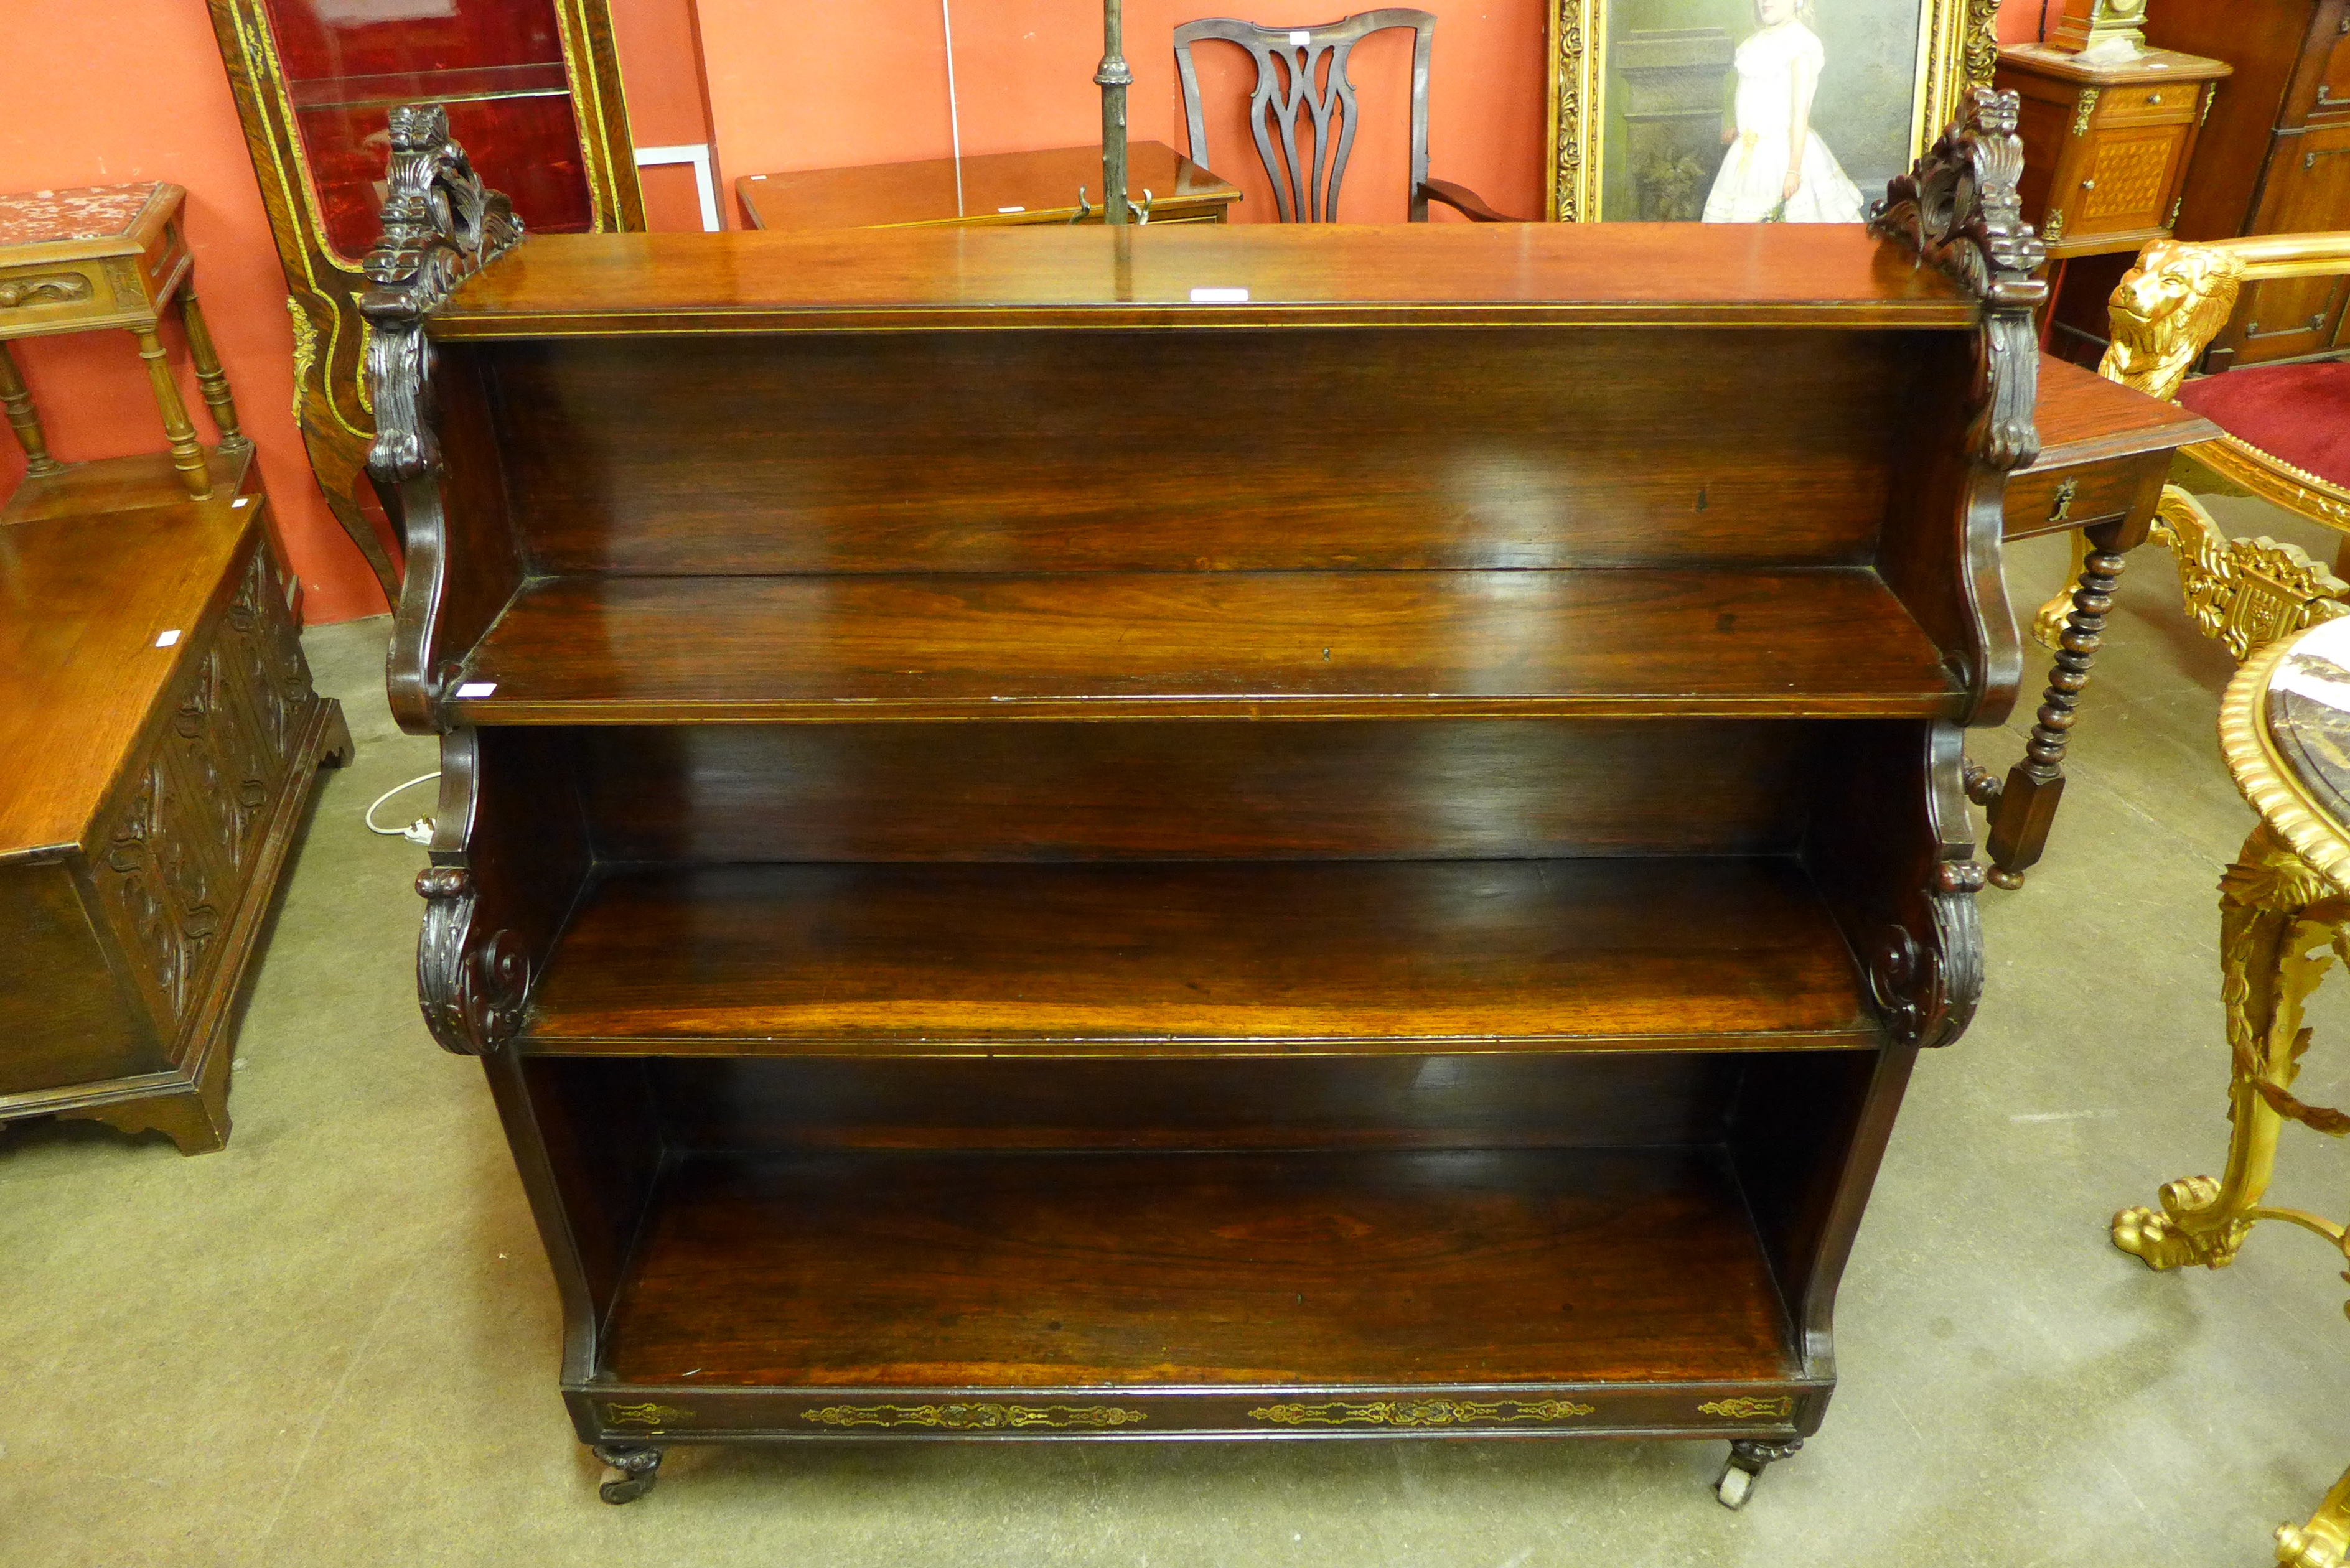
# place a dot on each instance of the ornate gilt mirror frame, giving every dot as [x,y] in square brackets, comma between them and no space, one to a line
[1957,47]
[323,281]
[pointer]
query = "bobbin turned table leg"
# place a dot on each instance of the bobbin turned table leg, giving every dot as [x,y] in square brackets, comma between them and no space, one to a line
[187,452]
[2024,805]
[209,374]
[24,420]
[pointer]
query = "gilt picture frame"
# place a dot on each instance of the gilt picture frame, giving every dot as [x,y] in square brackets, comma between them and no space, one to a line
[1645,102]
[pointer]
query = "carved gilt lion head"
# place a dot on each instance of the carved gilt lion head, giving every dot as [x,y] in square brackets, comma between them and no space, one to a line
[2167,309]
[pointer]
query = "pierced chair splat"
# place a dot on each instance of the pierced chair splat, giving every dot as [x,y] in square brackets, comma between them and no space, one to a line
[1302,85]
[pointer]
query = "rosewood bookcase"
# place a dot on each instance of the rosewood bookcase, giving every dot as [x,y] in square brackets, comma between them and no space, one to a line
[1256,833]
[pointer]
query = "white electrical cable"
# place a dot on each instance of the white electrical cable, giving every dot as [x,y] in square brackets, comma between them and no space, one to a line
[954,117]
[410,832]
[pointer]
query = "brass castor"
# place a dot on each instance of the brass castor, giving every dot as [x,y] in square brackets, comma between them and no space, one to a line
[1744,1467]
[638,1468]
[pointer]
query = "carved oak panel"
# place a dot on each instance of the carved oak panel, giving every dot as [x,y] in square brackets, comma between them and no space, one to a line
[271,676]
[224,758]
[162,886]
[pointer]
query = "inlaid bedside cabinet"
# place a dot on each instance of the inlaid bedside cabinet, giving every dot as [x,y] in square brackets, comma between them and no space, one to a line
[2106,148]
[991,912]
[161,742]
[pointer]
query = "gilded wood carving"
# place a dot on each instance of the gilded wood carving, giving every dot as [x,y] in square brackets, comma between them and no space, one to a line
[2243,592]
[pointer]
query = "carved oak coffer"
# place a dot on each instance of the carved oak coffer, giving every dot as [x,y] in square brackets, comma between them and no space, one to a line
[162,743]
[1261,831]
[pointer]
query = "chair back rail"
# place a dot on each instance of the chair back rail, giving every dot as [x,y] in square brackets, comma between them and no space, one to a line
[1304,69]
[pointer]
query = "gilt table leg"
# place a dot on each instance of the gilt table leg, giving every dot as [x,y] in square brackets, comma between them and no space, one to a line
[210,377]
[2280,926]
[187,452]
[2325,1541]
[24,420]
[2024,805]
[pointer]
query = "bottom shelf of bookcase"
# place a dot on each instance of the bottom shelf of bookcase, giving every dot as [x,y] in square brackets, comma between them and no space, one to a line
[1449,1292]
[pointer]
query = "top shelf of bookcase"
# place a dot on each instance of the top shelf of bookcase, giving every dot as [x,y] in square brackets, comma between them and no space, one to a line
[1206,276]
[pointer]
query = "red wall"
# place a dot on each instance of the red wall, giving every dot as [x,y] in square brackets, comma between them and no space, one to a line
[139,94]
[804,84]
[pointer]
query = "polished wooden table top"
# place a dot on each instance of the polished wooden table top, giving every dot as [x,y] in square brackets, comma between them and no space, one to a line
[1000,188]
[85,598]
[1206,274]
[2084,417]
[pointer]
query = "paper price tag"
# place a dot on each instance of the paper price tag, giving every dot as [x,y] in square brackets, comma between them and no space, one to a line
[477,688]
[166,638]
[1220,296]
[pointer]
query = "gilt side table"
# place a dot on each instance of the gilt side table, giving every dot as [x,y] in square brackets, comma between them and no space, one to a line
[2284,917]
[101,256]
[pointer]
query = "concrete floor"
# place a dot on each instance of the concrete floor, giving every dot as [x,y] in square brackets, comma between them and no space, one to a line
[335,1342]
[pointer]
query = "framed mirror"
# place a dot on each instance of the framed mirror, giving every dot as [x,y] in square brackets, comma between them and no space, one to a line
[1750,110]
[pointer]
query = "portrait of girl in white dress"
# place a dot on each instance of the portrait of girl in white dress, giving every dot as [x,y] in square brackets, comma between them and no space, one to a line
[1775,168]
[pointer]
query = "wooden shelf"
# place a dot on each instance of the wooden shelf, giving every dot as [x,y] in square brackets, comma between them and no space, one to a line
[1210,958]
[1131,1271]
[1819,642]
[1294,275]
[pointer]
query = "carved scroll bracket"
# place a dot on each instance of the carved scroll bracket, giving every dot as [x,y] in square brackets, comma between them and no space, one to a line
[472,984]
[1958,209]
[440,226]
[1928,982]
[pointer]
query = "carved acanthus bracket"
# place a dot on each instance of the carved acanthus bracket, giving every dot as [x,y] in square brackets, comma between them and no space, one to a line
[1960,210]
[440,226]
[1928,983]
[472,985]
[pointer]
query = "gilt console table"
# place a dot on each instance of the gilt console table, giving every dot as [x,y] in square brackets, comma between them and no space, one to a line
[990,913]
[2284,917]
[103,257]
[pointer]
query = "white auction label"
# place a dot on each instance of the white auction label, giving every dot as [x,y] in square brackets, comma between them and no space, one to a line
[477,688]
[166,638]
[1220,296]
